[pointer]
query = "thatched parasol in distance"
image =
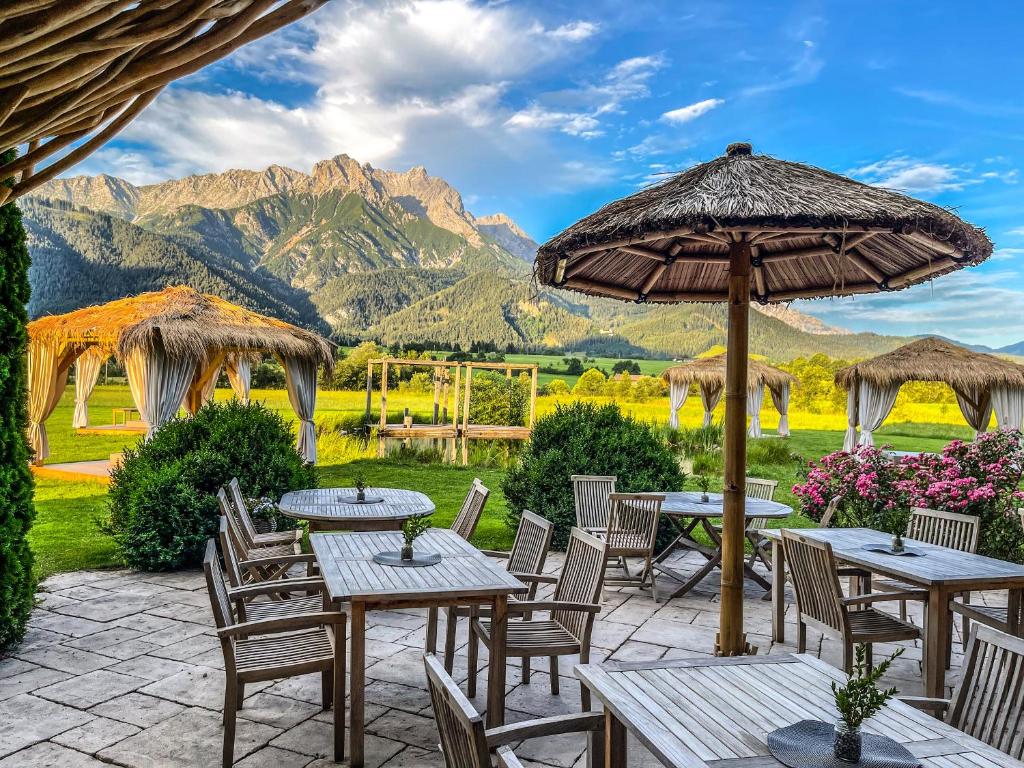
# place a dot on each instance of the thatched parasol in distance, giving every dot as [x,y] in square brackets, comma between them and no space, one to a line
[747,226]
[711,370]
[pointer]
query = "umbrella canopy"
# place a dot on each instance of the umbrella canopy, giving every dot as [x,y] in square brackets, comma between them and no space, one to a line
[711,371]
[749,226]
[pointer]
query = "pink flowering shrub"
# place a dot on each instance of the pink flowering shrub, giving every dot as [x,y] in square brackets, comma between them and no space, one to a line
[980,478]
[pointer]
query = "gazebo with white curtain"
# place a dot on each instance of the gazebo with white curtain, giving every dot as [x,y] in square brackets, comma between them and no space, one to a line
[982,383]
[173,345]
[709,374]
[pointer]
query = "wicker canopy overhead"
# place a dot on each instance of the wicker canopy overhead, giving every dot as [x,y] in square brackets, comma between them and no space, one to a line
[711,370]
[188,323]
[80,70]
[934,359]
[812,233]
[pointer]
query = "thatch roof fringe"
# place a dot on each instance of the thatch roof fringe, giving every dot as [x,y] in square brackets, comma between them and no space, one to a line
[187,322]
[933,359]
[711,370]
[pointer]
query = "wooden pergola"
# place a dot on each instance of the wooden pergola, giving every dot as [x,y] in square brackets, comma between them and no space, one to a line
[73,73]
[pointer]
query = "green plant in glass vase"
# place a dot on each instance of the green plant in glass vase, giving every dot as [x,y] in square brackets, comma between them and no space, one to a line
[857,701]
[412,529]
[704,483]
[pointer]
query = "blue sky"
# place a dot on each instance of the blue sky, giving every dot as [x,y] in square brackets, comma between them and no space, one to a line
[546,110]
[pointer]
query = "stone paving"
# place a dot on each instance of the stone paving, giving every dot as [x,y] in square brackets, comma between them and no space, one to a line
[124,668]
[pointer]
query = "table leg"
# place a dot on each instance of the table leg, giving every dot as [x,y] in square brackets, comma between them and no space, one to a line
[357,674]
[432,629]
[778,592]
[615,749]
[936,637]
[496,671]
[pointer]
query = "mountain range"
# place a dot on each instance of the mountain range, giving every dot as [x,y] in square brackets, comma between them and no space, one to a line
[361,252]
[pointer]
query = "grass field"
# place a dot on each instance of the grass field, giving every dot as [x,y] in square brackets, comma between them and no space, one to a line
[65,535]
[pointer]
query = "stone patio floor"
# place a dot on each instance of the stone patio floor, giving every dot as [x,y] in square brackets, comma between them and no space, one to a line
[124,668]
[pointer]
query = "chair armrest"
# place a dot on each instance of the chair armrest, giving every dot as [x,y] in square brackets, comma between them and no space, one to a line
[261,561]
[923,702]
[276,587]
[496,553]
[528,606]
[536,578]
[507,758]
[288,624]
[547,726]
[885,597]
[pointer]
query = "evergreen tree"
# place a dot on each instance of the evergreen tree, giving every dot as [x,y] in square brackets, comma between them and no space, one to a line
[16,507]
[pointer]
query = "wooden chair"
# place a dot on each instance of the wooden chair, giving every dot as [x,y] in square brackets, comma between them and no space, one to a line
[248,565]
[591,496]
[466,744]
[274,648]
[571,611]
[632,529]
[248,527]
[943,529]
[986,703]
[830,512]
[758,488]
[473,506]
[527,556]
[820,602]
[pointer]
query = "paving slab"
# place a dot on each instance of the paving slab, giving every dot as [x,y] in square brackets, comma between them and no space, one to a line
[84,691]
[138,709]
[26,720]
[50,755]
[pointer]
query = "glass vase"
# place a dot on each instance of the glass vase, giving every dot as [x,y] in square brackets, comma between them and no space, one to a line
[847,743]
[407,552]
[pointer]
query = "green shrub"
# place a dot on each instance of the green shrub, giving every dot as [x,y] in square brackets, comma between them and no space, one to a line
[17,585]
[268,374]
[556,388]
[592,382]
[582,438]
[495,399]
[163,504]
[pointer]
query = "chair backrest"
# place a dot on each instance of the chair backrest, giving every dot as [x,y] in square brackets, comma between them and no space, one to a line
[472,508]
[944,529]
[830,512]
[634,519]
[218,589]
[987,704]
[460,726]
[591,496]
[230,549]
[228,510]
[241,509]
[759,488]
[581,580]
[531,544]
[815,580]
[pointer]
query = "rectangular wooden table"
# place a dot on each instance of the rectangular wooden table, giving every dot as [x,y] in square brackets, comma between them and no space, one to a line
[698,712]
[465,576]
[941,571]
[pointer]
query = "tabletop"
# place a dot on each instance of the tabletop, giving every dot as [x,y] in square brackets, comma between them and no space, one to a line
[688,503]
[327,504]
[718,711]
[346,562]
[934,566]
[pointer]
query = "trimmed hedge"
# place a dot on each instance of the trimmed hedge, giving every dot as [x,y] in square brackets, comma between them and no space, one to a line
[163,503]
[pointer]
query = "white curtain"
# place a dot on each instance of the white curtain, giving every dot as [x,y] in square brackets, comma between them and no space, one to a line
[755,396]
[301,379]
[87,373]
[976,406]
[209,386]
[239,371]
[710,394]
[876,403]
[47,377]
[780,398]
[677,393]
[850,441]
[1009,406]
[159,384]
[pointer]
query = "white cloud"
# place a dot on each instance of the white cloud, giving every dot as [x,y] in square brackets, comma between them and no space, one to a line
[691,111]
[575,31]
[1016,231]
[572,123]
[909,175]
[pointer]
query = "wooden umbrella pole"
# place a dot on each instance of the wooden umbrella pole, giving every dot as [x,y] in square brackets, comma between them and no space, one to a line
[731,641]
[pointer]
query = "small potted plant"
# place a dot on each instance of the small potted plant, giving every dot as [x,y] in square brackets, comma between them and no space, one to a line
[857,701]
[704,483]
[360,483]
[412,529]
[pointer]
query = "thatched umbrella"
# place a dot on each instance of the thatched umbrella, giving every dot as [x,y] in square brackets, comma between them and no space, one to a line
[978,379]
[173,344]
[709,373]
[749,226]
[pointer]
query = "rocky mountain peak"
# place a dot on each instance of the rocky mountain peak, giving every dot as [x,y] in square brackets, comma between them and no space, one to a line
[509,235]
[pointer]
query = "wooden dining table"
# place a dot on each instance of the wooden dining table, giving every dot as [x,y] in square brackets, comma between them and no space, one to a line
[941,571]
[717,712]
[332,509]
[464,576]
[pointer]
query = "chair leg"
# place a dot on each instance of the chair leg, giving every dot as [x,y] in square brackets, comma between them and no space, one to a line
[848,657]
[584,690]
[965,631]
[801,637]
[338,693]
[326,689]
[526,669]
[449,640]
[869,655]
[230,706]
[553,669]
[241,695]
[903,610]
[472,651]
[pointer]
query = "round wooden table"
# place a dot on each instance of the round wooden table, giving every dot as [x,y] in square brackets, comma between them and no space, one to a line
[688,513]
[325,509]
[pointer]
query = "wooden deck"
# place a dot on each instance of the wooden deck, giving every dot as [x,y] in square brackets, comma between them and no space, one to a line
[92,471]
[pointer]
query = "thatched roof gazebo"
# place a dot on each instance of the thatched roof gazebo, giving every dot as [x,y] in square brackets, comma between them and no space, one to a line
[173,344]
[709,374]
[980,381]
[743,227]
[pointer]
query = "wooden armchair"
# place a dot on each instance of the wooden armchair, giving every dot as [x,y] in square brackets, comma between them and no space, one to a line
[571,611]
[247,565]
[592,499]
[281,646]
[987,701]
[632,529]
[473,506]
[466,744]
[820,602]
[248,527]
[527,556]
